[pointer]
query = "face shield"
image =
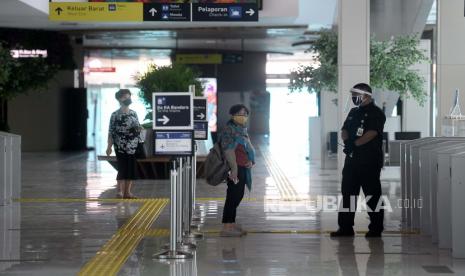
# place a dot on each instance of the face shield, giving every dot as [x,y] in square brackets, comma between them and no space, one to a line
[356,99]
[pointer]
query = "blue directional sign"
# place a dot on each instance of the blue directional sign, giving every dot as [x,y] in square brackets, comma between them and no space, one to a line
[173,111]
[225,12]
[200,109]
[173,143]
[167,12]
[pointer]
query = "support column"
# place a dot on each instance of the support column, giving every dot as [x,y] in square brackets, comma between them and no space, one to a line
[353,53]
[451,58]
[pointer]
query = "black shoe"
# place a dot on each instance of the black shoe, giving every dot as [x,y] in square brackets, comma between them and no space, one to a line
[341,233]
[371,234]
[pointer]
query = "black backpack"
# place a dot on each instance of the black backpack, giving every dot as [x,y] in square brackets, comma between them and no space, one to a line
[216,167]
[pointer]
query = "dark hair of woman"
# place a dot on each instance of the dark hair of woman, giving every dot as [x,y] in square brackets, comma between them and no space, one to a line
[237,108]
[121,93]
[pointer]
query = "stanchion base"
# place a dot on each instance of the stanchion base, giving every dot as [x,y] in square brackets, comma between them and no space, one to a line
[173,255]
[194,235]
[184,246]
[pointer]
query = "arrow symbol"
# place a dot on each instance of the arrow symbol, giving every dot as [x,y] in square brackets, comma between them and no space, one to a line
[201,116]
[59,10]
[164,120]
[250,12]
[153,11]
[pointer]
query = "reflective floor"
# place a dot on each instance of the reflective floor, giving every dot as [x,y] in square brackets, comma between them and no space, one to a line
[55,230]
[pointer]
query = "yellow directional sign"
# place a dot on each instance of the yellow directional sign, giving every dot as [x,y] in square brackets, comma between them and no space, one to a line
[199,58]
[113,12]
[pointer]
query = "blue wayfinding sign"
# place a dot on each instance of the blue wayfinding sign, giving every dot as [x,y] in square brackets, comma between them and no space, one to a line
[173,111]
[173,143]
[225,12]
[167,12]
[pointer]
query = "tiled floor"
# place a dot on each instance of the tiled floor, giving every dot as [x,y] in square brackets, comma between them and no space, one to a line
[287,237]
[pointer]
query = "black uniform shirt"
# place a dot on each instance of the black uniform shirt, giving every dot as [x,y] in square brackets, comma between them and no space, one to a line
[369,117]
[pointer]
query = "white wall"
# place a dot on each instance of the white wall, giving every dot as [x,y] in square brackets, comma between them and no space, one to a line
[416,117]
[314,138]
[329,121]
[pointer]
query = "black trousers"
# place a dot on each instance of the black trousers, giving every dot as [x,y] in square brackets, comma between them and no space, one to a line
[366,176]
[126,164]
[234,196]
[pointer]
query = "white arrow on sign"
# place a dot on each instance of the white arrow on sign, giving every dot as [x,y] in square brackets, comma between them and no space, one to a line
[250,12]
[164,120]
[201,116]
[153,11]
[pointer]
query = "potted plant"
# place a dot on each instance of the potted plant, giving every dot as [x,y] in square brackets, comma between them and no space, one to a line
[172,78]
[390,66]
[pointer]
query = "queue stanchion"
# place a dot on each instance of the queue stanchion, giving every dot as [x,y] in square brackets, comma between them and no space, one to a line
[187,198]
[195,216]
[180,198]
[188,233]
[183,245]
[173,252]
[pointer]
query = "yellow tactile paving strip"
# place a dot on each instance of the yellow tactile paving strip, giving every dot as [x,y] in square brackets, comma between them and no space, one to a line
[112,256]
[284,186]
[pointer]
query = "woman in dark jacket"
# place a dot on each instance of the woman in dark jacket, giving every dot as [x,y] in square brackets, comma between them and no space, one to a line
[124,135]
[240,156]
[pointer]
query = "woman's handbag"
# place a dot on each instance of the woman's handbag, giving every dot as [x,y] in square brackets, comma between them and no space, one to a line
[140,151]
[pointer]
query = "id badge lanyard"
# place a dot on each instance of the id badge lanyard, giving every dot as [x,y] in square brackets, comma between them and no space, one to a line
[361,128]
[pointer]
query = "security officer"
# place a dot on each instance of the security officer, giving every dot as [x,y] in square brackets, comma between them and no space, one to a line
[362,134]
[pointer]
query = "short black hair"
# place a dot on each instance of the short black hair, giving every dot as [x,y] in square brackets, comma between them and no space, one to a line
[238,107]
[121,93]
[363,86]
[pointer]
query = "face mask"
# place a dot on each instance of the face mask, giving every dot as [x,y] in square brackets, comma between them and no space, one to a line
[241,120]
[127,102]
[357,100]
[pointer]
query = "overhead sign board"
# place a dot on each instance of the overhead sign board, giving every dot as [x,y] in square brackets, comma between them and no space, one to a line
[199,58]
[110,12]
[173,143]
[139,12]
[100,70]
[225,12]
[173,111]
[167,12]
[200,109]
[233,58]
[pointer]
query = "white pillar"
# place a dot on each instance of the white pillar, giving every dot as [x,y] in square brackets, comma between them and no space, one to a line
[353,53]
[451,57]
